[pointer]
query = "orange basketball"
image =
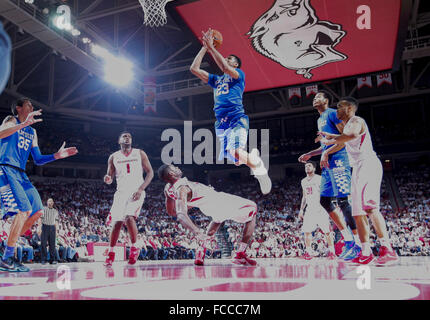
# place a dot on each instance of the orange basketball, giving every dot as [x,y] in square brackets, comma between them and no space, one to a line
[217,38]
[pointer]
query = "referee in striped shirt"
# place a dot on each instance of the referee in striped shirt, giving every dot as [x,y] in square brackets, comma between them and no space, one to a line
[49,222]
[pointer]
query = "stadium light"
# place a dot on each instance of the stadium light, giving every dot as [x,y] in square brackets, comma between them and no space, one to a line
[118,70]
[76,32]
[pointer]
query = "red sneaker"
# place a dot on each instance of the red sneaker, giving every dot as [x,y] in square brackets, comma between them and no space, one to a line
[331,256]
[307,256]
[134,254]
[110,259]
[360,259]
[242,259]
[200,256]
[386,255]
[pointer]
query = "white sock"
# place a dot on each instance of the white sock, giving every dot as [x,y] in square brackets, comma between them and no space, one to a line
[366,251]
[309,250]
[385,242]
[242,247]
[111,249]
[346,235]
[357,240]
[331,248]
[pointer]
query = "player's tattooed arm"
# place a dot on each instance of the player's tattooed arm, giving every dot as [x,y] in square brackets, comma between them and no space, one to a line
[218,57]
[182,211]
[195,66]
[305,157]
[108,178]
[351,131]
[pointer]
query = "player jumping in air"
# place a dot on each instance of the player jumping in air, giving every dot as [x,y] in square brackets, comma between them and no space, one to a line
[19,197]
[336,175]
[366,181]
[315,215]
[181,194]
[231,124]
[127,165]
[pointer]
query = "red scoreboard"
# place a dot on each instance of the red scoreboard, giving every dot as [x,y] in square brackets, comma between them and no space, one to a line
[291,42]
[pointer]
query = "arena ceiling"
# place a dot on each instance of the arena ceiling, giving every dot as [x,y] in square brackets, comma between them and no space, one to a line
[56,71]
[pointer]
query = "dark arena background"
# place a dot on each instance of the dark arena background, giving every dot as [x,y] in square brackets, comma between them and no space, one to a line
[97,68]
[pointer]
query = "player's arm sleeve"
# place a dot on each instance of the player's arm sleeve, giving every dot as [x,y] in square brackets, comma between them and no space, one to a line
[38,158]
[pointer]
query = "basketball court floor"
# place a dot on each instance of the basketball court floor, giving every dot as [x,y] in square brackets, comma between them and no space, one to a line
[271,279]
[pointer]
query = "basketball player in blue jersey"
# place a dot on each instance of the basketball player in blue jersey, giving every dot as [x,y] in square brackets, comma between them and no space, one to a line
[232,124]
[336,175]
[5,54]
[19,198]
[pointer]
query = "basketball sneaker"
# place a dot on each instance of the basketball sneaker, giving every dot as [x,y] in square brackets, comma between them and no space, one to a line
[386,255]
[353,253]
[260,172]
[348,245]
[11,265]
[110,259]
[200,256]
[134,254]
[307,256]
[361,259]
[331,256]
[242,259]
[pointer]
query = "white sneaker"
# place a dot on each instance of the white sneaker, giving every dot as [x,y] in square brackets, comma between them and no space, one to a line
[260,173]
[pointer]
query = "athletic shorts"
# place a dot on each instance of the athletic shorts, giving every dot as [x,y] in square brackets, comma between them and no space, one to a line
[226,206]
[17,193]
[366,186]
[123,205]
[314,218]
[232,135]
[336,180]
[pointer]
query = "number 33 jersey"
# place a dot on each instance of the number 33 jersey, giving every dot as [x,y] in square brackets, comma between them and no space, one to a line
[15,149]
[128,170]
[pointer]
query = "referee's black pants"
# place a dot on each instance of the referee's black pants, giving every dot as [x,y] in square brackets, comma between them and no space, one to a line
[48,237]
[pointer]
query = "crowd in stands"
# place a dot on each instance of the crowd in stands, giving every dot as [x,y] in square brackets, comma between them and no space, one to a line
[52,135]
[84,217]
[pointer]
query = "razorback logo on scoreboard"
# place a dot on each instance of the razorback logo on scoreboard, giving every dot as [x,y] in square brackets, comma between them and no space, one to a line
[291,34]
[289,42]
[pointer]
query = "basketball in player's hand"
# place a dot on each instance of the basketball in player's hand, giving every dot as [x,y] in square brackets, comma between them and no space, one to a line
[217,38]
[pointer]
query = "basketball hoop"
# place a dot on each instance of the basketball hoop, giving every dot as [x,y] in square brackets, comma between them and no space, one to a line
[155,12]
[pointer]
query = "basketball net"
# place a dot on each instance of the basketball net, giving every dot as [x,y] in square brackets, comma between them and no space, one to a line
[155,12]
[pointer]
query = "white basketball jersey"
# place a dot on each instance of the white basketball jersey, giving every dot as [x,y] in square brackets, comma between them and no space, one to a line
[311,190]
[202,195]
[361,147]
[128,170]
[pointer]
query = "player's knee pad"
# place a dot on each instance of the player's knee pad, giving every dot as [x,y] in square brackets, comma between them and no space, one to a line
[327,204]
[345,206]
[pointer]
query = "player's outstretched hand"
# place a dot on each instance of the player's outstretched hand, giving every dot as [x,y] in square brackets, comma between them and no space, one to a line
[65,152]
[327,135]
[208,39]
[30,118]
[107,179]
[304,157]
